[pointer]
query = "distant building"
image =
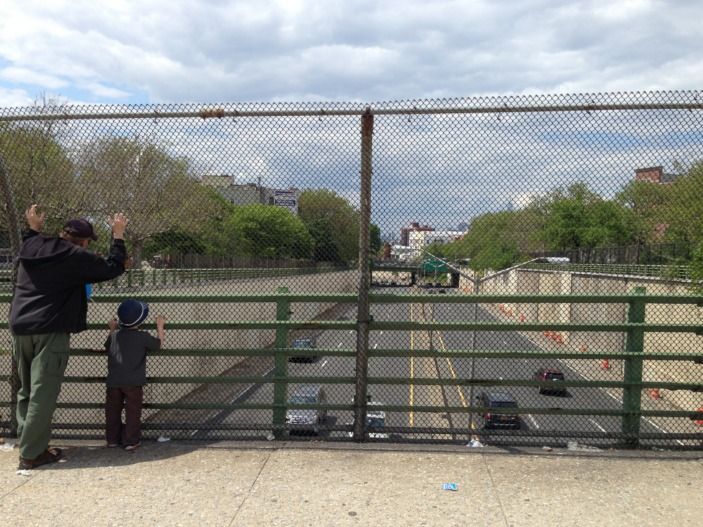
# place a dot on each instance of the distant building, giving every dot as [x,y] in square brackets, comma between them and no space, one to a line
[251,193]
[218,181]
[654,175]
[413,227]
[421,239]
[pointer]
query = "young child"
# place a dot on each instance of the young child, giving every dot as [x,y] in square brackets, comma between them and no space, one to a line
[127,347]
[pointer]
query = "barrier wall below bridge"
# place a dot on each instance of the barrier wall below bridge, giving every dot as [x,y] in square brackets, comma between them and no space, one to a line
[523,281]
[330,282]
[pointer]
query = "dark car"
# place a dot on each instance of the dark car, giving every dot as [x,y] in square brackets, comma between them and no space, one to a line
[498,400]
[551,381]
[306,419]
[303,343]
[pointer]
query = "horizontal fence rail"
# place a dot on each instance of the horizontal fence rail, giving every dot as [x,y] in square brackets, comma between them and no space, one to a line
[279,407]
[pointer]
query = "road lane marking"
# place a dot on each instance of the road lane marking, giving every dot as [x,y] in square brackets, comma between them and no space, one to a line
[662,430]
[375,346]
[323,364]
[339,345]
[599,427]
[351,331]
[380,332]
[451,369]
[534,421]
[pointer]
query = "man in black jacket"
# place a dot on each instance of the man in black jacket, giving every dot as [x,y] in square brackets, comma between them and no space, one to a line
[50,303]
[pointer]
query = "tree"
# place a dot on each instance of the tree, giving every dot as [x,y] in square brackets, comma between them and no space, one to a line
[267,231]
[328,215]
[39,171]
[375,238]
[649,203]
[155,189]
[684,210]
[497,240]
[578,217]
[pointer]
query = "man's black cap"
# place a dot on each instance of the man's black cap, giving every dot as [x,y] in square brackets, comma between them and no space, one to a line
[80,228]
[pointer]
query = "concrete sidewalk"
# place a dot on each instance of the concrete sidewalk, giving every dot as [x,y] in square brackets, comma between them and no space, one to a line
[235,484]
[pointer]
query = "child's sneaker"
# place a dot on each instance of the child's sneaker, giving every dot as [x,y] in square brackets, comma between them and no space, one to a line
[132,448]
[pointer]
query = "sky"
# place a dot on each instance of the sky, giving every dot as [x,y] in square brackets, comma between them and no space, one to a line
[441,170]
[158,51]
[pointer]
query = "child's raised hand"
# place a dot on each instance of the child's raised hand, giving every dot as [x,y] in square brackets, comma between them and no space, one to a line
[160,320]
[113,325]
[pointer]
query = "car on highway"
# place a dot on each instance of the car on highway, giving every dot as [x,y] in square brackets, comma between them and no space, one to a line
[498,400]
[551,381]
[306,419]
[304,343]
[375,420]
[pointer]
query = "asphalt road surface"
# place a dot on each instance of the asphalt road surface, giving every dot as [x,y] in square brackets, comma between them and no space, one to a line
[442,426]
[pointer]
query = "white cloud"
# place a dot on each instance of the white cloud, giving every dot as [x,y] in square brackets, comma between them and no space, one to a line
[26,76]
[14,97]
[187,50]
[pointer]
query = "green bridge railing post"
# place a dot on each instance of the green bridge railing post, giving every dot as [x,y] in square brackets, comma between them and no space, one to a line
[280,369]
[632,395]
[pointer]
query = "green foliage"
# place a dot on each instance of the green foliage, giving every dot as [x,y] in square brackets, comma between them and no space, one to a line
[174,241]
[684,213]
[40,172]
[496,240]
[375,238]
[155,189]
[333,224]
[648,202]
[697,269]
[269,232]
[578,217]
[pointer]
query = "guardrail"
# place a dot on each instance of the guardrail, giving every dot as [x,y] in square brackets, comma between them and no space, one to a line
[137,278]
[679,272]
[630,413]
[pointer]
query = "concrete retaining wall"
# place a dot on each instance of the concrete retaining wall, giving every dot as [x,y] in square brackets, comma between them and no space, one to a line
[522,281]
[333,282]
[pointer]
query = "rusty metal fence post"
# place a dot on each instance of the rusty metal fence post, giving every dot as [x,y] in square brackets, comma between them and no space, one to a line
[363,316]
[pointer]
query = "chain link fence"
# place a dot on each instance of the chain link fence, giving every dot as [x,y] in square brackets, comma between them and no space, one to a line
[430,202]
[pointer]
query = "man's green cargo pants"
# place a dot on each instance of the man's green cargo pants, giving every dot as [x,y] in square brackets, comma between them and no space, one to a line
[41,363]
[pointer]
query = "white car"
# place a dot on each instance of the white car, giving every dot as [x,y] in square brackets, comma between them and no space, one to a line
[375,420]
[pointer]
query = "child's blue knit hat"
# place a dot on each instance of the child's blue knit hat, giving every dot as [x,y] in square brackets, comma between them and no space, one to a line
[132,313]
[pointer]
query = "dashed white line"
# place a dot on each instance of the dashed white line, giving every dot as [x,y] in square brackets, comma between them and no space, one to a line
[599,427]
[661,430]
[375,346]
[380,332]
[339,345]
[323,364]
[351,331]
[534,421]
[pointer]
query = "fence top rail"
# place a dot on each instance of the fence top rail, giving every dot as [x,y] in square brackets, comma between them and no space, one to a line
[402,299]
[213,111]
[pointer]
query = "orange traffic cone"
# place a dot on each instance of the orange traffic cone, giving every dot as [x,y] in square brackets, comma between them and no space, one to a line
[654,393]
[522,317]
[584,348]
[558,338]
[699,422]
[605,364]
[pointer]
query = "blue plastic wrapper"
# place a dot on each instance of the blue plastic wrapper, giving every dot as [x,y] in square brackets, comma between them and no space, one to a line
[450,486]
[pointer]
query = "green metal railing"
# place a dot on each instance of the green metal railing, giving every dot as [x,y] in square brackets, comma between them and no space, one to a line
[633,355]
[680,272]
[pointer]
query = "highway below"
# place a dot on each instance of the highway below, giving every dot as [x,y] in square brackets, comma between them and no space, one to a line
[439,425]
